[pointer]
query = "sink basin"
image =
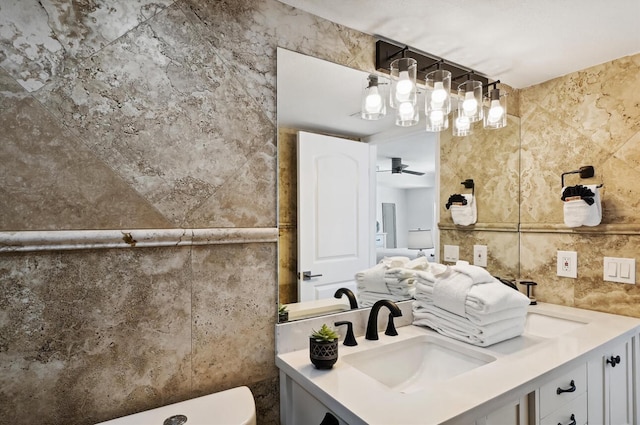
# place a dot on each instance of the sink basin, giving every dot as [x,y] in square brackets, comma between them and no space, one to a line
[549,326]
[413,364]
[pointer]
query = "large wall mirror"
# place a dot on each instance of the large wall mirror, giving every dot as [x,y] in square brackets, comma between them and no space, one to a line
[323,98]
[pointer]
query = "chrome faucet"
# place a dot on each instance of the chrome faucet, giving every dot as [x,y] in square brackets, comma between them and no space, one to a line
[372,324]
[352,298]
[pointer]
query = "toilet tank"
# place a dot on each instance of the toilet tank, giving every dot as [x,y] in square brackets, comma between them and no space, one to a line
[231,407]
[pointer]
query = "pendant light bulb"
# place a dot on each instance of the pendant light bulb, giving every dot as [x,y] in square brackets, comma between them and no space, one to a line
[437,117]
[404,87]
[470,104]
[373,102]
[496,115]
[463,123]
[438,96]
[373,105]
[496,112]
[406,111]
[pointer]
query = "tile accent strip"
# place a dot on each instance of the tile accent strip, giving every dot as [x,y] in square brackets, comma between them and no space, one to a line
[54,240]
[601,229]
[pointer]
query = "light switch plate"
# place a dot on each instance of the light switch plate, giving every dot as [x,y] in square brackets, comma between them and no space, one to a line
[567,264]
[451,253]
[480,255]
[621,270]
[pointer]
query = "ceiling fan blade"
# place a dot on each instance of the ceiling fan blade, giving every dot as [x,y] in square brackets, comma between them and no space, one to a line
[417,173]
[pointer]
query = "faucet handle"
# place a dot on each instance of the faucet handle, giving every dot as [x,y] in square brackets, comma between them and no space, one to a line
[391,327]
[349,339]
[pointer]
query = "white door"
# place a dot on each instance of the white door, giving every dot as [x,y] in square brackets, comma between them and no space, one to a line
[335,231]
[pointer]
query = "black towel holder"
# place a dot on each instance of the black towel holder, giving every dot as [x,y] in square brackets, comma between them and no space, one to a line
[585,172]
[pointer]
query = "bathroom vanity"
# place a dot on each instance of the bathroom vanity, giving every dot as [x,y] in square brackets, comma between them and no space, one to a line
[569,365]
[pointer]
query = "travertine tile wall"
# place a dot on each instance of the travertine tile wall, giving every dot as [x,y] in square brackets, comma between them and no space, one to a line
[590,117]
[142,115]
[492,159]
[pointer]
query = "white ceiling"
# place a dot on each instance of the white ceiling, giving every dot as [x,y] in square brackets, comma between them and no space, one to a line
[519,42]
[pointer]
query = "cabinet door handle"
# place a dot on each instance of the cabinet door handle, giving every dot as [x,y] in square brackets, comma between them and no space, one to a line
[572,388]
[573,420]
[613,361]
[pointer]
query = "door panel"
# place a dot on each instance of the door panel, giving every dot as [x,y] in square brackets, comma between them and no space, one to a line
[335,235]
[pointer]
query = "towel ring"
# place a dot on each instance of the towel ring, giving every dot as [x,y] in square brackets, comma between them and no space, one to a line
[469,184]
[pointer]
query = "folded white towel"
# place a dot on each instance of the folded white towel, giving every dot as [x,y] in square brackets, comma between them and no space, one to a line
[482,340]
[481,299]
[451,288]
[450,291]
[420,263]
[464,327]
[471,315]
[465,215]
[595,211]
[578,213]
[477,274]
[398,273]
[372,279]
[391,262]
[367,299]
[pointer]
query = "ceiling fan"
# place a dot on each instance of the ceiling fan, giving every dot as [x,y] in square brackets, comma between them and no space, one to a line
[397,167]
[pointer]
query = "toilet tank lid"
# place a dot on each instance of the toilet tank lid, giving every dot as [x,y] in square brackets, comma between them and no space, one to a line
[233,406]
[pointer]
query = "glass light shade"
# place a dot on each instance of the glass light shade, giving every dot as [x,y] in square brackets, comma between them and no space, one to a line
[407,114]
[495,115]
[403,81]
[374,103]
[438,88]
[437,120]
[462,125]
[420,239]
[470,100]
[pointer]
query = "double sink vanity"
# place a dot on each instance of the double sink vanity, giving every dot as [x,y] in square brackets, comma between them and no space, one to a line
[571,366]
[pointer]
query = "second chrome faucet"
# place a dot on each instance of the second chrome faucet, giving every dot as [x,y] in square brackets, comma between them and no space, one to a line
[372,323]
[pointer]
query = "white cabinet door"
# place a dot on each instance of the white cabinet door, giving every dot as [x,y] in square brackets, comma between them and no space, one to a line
[514,413]
[611,386]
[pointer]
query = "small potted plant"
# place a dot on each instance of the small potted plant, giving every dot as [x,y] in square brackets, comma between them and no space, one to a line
[323,347]
[283,314]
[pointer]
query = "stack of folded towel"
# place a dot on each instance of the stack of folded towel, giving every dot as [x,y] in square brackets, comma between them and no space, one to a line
[466,303]
[391,279]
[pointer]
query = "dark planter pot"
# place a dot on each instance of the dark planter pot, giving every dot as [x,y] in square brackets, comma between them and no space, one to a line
[283,317]
[323,354]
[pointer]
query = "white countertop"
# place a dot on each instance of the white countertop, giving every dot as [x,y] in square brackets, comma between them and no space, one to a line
[521,364]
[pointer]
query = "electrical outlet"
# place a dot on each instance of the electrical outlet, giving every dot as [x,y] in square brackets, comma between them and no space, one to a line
[451,253]
[480,255]
[567,264]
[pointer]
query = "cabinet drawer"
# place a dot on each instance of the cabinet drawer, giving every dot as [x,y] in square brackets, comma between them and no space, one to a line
[577,407]
[550,400]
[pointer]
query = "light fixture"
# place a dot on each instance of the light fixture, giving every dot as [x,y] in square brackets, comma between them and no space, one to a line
[496,104]
[374,99]
[413,67]
[420,239]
